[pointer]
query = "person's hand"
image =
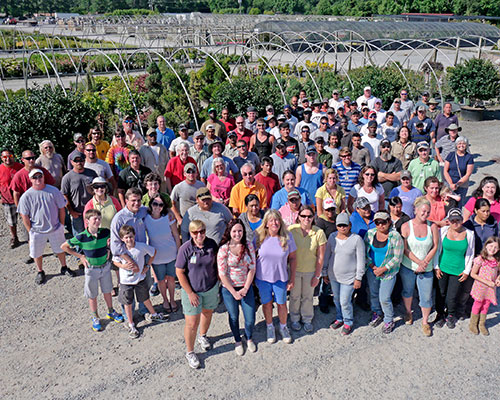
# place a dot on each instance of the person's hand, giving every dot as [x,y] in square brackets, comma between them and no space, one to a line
[379,271]
[132,266]
[453,186]
[242,292]
[314,282]
[497,282]
[492,284]
[439,273]
[326,280]
[74,214]
[179,221]
[357,284]
[84,261]
[462,277]
[290,285]
[422,266]
[194,299]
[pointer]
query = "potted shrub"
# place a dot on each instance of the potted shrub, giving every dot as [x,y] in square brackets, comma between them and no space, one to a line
[475,81]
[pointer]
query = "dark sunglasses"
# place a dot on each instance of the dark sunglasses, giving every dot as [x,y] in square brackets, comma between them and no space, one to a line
[156,204]
[368,174]
[78,160]
[241,146]
[79,141]
[91,150]
[200,232]
[30,158]
[99,186]
[294,199]
[37,176]
[342,226]
[190,171]
[310,216]
[380,222]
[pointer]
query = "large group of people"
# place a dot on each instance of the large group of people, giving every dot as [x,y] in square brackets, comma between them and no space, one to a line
[335,198]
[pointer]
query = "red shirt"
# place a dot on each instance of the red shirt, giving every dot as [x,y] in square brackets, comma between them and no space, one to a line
[6,175]
[21,181]
[175,169]
[271,183]
[230,125]
[246,135]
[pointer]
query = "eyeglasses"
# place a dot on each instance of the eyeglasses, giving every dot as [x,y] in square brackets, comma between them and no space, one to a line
[48,147]
[306,130]
[346,156]
[294,199]
[99,187]
[90,150]
[78,160]
[238,123]
[260,125]
[403,94]
[309,216]
[368,174]
[247,173]
[372,116]
[190,171]
[30,158]
[199,138]
[323,123]
[200,232]
[422,149]
[156,204]
[380,222]
[241,146]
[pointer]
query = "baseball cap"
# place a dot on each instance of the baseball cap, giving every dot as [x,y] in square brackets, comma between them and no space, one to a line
[330,110]
[335,91]
[203,193]
[397,100]
[378,101]
[269,107]
[189,166]
[347,98]
[211,109]
[305,99]
[372,113]
[342,219]
[287,106]
[421,108]
[151,131]
[251,109]
[281,117]
[454,213]
[319,139]
[232,133]
[198,134]
[311,149]
[367,88]
[383,215]
[365,108]
[307,110]
[293,193]
[426,93]
[280,143]
[210,126]
[405,174]
[76,155]
[329,203]
[77,136]
[372,123]
[422,145]
[182,127]
[385,143]
[361,202]
[35,171]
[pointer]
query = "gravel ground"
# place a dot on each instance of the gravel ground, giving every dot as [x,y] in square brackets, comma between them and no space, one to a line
[50,351]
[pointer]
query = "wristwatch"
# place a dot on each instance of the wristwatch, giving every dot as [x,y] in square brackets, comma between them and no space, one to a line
[318,277]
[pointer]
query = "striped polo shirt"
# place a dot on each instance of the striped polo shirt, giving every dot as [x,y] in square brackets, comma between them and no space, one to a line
[348,176]
[95,248]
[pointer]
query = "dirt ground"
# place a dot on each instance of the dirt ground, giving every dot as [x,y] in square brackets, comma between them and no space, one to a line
[49,350]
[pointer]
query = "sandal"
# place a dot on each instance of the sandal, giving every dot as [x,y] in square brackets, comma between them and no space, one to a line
[174,307]
[167,309]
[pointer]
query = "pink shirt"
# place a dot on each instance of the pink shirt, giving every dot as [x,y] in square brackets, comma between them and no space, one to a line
[220,190]
[495,208]
[235,269]
[289,216]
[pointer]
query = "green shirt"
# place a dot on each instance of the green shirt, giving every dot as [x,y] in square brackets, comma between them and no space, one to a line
[95,248]
[421,171]
[452,258]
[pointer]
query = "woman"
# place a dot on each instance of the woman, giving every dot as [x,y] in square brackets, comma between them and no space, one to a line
[369,188]
[384,252]
[95,137]
[219,182]
[439,204]
[403,148]
[344,267]
[455,262]
[277,250]
[163,235]
[290,211]
[398,217]
[421,241]
[103,201]
[407,193]
[482,224]
[310,242]
[331,190]
[458,168]
[236,264]
[262,142]
[252,218]
[489,190]
[196,269]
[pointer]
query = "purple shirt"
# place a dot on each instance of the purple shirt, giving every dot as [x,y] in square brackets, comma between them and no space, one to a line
[442,122]
[272,261]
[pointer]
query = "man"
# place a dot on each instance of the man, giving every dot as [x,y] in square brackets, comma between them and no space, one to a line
[371,141]
[8,169]
[433,110]
[344,134]
[231,149]
[334,118]
[184,193]
[360,154]
[199,152]
[268,179]
[154,155]
[349,107]
[74,187]
[182,138]
[332,146]
[354,124]
[420,134]
[324,157]
[79,141]
[292,121]
[336,101]
[276,130]
[241,131]
[174,172]
[429,129]
[251,120]
[218,126]
[365,111]
[101,168]
[215,216]
[322,131]
[303,143]
[211,136]
[244,156]
[390,128]
[21,182]
[388,167]
[372,116]
[42,211]
[447,144]
[164,135]
[51,161]
[362,218]
[280,198]
[269,112]
[424,101]
[292,146]
[216,150]
[403,115]
[310,175]
[444,120]
[316,112]
[132,176]
[406,104]
[133,138]
[117,156]
[367,98]
[228,122]
[423,166]
[347,170]
[305,122]
[282,159]
[302,97]
[248,185]
[380,112]
[297,110]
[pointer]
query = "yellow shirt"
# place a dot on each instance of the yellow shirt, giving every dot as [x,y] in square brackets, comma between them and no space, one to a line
[323,194]
[307,246]
[240,191]
[102,149]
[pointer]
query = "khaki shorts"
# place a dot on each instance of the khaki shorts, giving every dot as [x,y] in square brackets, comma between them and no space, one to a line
[97,276]
[39,240]
[208,300]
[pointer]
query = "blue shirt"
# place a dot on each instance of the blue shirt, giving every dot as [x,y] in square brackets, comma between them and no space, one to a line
[408,199]
[463,162]
[280,198]
[428,125]
[348,177]
[206,170]
[166,137]
[127,217]
[358,224]
[312,182]
[354,127]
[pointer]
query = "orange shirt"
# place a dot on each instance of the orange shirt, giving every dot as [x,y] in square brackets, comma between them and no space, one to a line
[240,191]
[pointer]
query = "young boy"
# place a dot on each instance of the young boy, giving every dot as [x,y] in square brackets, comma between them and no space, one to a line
[133,278]
[94,242]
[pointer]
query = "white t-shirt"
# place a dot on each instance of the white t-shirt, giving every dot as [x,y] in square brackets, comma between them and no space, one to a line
[381,116]
[178,140]
[161,238]
[390,132]
[358,191]
[316,117]
[335,104]
[138,254]
[372,145]
[101,168]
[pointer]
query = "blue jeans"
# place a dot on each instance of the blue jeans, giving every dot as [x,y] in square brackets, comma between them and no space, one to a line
[424,285]
[342,296]
[380,295]
[233,311]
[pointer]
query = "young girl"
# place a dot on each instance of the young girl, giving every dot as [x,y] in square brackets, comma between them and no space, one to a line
[485,272]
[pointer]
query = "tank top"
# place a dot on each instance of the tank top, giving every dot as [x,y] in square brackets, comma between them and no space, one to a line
[263,149]
[418,246]
[312,182]
[452,258]
[378,251]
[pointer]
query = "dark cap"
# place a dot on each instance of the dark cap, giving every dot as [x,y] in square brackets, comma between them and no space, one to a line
[311,149]
[372,123]
[76,155]
[455,213]
[287,107]
[319,139]
[251,109]
[385,143]
[182,127]
[280,143]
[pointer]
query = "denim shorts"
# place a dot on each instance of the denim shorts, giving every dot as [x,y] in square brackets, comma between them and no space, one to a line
[208,300]
[272,290]
[164,270]
[424,283]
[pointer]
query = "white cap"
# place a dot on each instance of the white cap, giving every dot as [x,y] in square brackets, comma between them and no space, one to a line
[367,88]
[35,171]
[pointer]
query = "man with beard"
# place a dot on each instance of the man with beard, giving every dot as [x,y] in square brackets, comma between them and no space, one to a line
[51,161]
[8,169]
[388,167]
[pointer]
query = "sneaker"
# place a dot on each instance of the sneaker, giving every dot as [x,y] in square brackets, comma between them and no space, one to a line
[133,333]
[238,349]
[251,346]
[67,271]
[409,318]
[308,327]
[285,334]
[96,324]
[14,242]
[155,317]
[296,326]
[336,324]
[40,278]
[271,334]
[192,359]
[29,260]
[451,321]
[153,290]
[388,327]
[439,321]
[376,320]
[346,330]
[204,343]
[114,316]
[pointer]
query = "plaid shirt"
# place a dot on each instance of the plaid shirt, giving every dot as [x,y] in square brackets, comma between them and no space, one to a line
[394,255]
